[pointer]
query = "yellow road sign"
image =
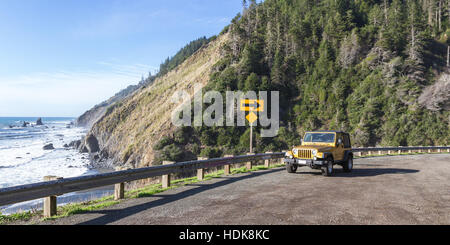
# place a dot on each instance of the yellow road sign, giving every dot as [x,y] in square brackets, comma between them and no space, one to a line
[252,117]
[252,105]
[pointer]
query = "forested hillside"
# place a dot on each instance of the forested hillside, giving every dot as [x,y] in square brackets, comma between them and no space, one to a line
[376,69]
[367,67]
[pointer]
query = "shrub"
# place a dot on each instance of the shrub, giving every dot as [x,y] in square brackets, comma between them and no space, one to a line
[162,143]
[211,152]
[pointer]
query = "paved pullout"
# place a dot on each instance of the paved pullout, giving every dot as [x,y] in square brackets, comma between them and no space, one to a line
[382,190]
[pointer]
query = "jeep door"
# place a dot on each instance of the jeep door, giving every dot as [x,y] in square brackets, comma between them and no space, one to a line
[340,150]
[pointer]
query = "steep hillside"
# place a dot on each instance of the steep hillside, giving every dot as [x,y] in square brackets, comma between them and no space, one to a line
[129,129]
[94,114]
[377,69]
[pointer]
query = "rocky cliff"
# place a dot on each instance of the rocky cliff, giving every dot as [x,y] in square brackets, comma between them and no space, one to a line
[127,129]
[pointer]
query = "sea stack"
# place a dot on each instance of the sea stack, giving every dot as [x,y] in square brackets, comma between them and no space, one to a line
[39,122]
[48,147]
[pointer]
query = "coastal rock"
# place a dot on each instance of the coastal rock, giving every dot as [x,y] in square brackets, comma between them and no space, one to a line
[91,144]
[84,149]
[25,124]
[49,147]
[66,146]
[75,144]
[94,157]
[39,122]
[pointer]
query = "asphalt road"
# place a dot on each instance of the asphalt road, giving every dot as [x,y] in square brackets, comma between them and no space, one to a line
[381,190]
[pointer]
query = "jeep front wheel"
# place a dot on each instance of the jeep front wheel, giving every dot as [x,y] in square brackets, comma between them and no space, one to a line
[348,165]
[291,168]
[327,169]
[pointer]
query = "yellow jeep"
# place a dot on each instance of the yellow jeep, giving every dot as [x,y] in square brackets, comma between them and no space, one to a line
[321,150]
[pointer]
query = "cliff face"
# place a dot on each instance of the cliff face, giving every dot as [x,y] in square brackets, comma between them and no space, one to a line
[129,128]
[93,115]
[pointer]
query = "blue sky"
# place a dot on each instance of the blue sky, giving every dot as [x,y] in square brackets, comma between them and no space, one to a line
[61,57]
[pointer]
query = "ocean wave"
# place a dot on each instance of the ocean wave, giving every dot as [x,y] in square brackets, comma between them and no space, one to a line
[23,160]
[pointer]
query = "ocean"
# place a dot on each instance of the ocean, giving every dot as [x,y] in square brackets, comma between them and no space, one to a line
[24,161]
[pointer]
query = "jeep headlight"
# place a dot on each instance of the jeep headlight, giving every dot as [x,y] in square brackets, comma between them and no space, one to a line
[295,151]
[314,152]
[288,155]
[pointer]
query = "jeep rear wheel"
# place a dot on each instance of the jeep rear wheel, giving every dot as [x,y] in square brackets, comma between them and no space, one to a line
[348,165]
[328,170]
[291,168]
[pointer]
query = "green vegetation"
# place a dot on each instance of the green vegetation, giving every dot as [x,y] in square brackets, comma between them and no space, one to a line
[351,65]
[16,217]
[171,63]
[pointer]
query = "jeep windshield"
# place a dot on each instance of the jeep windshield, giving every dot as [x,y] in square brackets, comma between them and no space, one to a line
[319,138]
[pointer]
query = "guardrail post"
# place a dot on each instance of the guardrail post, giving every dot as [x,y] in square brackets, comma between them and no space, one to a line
[389,152]
[50,204]
[439,150]
[448,150]
[267,161]
[119,189]
[429,150]
[400,151]
[249,164]
[227,168]
[165,180]
[200,171]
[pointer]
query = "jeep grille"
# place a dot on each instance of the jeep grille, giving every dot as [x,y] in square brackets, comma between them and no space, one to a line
[304,154]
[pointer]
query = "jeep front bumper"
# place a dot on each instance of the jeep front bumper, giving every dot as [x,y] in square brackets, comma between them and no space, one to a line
[304,162]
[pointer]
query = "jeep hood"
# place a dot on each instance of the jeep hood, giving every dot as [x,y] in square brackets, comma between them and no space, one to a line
[320,148]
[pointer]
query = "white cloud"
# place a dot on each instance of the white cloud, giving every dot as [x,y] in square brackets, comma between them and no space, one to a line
[67,92]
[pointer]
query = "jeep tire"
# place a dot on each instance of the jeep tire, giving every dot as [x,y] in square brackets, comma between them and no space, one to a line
[328,169]
[291,168]
[348,165]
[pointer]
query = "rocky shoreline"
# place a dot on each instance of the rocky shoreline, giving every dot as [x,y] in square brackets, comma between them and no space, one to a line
[98,158]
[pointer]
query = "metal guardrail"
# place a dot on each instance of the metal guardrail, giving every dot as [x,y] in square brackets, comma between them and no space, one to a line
[406,148]
[59,187]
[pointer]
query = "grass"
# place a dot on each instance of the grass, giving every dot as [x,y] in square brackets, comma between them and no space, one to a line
[108,201]
[16,217]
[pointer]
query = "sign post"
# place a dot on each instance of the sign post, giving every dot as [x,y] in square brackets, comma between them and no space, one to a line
[252,106]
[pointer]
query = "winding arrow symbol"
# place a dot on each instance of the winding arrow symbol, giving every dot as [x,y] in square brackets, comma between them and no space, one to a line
[252,105]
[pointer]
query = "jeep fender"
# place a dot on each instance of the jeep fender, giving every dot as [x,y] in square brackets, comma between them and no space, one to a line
[347,154]
[327,154]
